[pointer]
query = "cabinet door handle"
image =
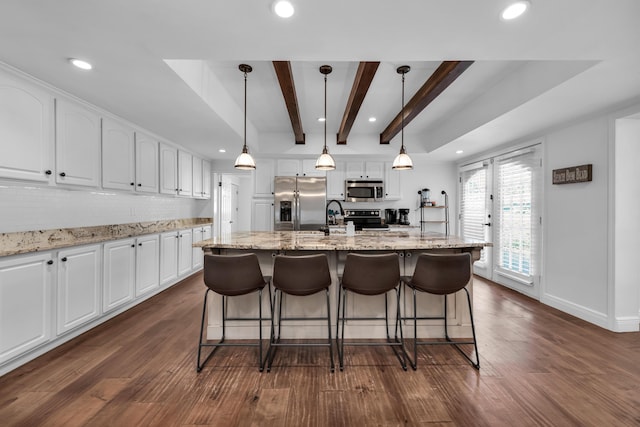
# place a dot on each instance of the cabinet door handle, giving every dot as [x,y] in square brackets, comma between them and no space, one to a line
[131,183]
[64,259]
[63,174]
[49,262]
[133,246]
[139,185]
[47,172]
[139,244]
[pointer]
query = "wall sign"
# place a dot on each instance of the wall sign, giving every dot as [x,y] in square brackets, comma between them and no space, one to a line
[572,174]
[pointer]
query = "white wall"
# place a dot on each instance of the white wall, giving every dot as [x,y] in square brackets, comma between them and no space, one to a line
[25,207]
[626,294]
[575,223]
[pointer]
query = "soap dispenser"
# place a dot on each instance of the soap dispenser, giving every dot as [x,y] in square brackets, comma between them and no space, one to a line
[351,229]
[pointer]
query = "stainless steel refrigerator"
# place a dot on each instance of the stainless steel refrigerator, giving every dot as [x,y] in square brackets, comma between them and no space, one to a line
[300,202]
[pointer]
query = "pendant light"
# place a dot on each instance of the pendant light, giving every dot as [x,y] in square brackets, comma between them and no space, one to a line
[244,160]
[402,160]
[325,162]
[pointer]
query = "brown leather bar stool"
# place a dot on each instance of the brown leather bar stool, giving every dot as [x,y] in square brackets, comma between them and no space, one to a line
[441,274]
[300,276]
[370,275]
[229,276]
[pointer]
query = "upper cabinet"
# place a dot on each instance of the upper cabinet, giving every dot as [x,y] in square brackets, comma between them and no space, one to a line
[335,182]
[263,178]
[77,144]
[118,156]
[146,163]
[296,167]
[197,177]
[392,183]
[185,174]
[364,170]
[168,169]
[26,129]
[206,179]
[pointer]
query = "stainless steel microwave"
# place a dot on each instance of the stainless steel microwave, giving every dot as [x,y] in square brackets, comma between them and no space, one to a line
[363,190]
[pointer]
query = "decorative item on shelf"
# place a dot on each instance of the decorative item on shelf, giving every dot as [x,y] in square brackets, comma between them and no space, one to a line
[325,162]
[402,160]
[425,197]
[244,160]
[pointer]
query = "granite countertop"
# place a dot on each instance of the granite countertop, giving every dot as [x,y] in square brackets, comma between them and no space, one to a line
[43,240]
[316,240]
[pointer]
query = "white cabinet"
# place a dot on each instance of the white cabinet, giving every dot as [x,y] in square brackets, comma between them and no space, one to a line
[77,144]
[168,257]
[196,171]
[309,168]
[185,251]
[26,129]
[146,163]
[392,182]
[288,167]
[365,170]
[119,273]
[118,156]
[197,258]
[335,182]
[262,215]
[79,285]
[185,174]
[206,179]
[147,264]
[168,169]
[207,232]
[25,303]
[296,167]
[263,178]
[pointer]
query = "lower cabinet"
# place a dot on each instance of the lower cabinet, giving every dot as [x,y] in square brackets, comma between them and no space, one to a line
[185,251]
[119,273]
[25,303]
[147,264]
[168,257]
[78,287]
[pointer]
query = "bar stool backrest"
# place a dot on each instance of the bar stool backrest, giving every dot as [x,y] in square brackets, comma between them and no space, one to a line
[301,275]
[442,274]
[371,274]
[231,275]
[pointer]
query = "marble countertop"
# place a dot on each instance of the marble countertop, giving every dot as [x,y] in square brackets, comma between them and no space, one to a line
[316,240]
[44,240]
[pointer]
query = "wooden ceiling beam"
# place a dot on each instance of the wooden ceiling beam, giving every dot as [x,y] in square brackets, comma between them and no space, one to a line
[285,78]
[444,75]
[364,76]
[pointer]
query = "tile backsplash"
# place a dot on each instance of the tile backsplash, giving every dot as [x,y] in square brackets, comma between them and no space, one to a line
[25,207]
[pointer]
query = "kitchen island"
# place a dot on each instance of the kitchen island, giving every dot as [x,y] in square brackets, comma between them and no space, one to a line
[407,244]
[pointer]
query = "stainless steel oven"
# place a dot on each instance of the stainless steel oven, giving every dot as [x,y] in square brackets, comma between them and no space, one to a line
[363,190]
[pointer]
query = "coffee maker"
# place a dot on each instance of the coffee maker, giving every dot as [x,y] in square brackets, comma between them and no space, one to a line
[425,197]
[390,216]
[404,216]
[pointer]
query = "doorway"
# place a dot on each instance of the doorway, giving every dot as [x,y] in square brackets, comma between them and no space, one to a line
[500,202]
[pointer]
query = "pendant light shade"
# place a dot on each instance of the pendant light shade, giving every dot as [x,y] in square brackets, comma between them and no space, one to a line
[244,161]
[325,162]
[402,160]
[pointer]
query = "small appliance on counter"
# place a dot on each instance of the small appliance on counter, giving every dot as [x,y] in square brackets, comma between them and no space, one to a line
[390,216]
[365,218]
[404,216]
[425,197]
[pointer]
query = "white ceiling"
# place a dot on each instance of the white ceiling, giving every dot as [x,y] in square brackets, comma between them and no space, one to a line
[562,60]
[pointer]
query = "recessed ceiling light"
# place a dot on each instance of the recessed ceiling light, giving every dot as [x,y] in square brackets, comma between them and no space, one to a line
[459,152]
[84,65]
[515,9]
[222,150]
[321,119]
[283,8]
[372,119]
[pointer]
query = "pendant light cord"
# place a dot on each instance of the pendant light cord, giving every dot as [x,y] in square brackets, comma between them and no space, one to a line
[244,147]
[325,113]
[402,115]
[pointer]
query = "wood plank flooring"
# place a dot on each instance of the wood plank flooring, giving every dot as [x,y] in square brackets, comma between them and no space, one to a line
[538,367]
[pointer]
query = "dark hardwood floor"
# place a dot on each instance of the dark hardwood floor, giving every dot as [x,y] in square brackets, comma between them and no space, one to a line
[538,367]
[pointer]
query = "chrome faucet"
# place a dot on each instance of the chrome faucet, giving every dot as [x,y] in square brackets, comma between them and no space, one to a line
[326,219]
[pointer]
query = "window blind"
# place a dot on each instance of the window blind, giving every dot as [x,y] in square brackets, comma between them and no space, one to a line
[473,204]
[516,245]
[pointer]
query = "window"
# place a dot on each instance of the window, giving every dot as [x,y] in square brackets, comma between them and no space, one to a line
[517,181]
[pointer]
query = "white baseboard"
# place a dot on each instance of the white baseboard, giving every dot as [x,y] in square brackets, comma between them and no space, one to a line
[626,324]
[584,313]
